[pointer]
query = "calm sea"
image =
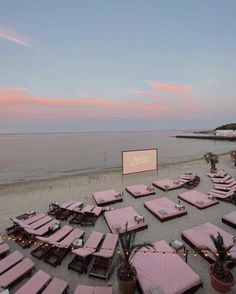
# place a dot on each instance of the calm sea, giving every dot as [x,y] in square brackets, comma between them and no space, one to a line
[31,156]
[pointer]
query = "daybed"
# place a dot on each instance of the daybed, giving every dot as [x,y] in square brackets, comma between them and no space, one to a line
[198,199]
[164,209]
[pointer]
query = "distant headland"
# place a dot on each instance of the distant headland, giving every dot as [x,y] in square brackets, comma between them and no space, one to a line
[224,132]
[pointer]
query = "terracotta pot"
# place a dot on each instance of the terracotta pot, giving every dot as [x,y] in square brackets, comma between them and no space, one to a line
[127,287]
[219,285]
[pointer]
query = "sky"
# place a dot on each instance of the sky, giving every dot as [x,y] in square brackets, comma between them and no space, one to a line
[112,65]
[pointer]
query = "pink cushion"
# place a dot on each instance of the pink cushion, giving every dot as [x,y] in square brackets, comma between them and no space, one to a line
[108,246]
[83,289]
[56,286]
[10,260]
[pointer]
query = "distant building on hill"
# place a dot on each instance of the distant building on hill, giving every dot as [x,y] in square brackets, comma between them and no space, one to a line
[226,133]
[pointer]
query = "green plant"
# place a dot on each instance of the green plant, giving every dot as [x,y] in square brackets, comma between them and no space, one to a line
[222,258]
[126,271]
[212,159]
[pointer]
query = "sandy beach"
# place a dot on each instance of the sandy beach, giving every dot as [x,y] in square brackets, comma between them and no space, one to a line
[20,197]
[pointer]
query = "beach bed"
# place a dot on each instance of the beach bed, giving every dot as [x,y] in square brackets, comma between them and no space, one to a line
[102,263]
[230,219]
[84,289]
[198,199]
[140,190]
[164,273]
[226,187]
[9,261]
[167,184]
[87,216]
[225,180]
[55,207]
[223,195]
[56,286]
[107,197]
[164,209]
[119,220]
[219,174]
[84,254]
[199,237]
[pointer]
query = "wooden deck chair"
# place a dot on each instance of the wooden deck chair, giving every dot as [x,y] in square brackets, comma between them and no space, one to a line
[9,261]
[91,216]
[81,215]
[16,273]
[55,207]
[83,255]
[56,286]
[102,263]
[35,284]
[60,249]
[69,210]
[46,244]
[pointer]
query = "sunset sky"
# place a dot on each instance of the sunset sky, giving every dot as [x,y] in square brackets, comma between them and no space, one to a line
[116,65]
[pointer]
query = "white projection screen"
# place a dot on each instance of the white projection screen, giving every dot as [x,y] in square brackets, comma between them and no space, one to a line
[136,161]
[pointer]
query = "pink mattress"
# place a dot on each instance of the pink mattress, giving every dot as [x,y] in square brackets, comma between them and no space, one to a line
[117,219]
[167,184]
[84,289]
[140,190]
[56,286]
[199,237]
[197,199]
[107,197]
[220,194]
[164,209]
[163,273]
[219,174]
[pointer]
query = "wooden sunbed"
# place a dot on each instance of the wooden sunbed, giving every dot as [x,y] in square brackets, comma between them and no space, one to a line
[64,213]
[164,209]
[17,272]
[55,208]
[140,190]
[198,199]
[102,263]
[83,255]
[60,249]
[46,246]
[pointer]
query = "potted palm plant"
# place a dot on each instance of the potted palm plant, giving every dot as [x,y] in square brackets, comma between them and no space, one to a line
[126,272]
[221,277]
[212,159]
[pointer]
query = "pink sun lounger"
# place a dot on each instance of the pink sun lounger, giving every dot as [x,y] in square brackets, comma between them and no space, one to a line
[226,187]
[188,176]
[60,249]
[107,197]
[46,246]
[167,185]
[9,261]
[219,174]
[118,218]
[55,208]
[198,199]
[140,190]
[84,254]
[199,237]
[222,195]
[226,180]
[102,265]
[84,289]
[15,273]
[64,213]
[164,273]
[164,209]
[35,284]
[42,230]
[230,219]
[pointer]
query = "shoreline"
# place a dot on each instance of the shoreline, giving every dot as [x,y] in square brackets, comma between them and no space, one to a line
[70,178]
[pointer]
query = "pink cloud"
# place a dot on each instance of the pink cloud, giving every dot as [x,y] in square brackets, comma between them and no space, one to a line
[12,36]
[174,89]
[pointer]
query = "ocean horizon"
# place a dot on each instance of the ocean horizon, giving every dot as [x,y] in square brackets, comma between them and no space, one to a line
[32,156]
